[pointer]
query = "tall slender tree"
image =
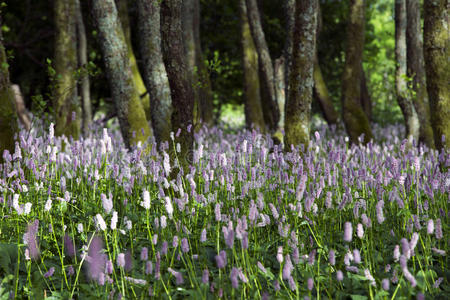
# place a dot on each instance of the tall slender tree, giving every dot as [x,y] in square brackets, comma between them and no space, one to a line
[122,8]
[66,103]
[176,66]
[298,104]
[355,120]
[130,111]
[437,66]
[154,71]
[416,71]
[84,86]
[408,110]
[365,99]
[253,109]
[8,119]
[267,84]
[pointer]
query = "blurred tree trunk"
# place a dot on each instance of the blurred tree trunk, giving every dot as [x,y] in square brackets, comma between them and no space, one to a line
[130,111]
[320,92]
[416,71]
[366,101]
[84,87]
[253,109]
[8,119]
[66,103]
[279,73]
[22,113]
[266,74]
[408,110]
[137,78]
[355,120]
[437,66]
[323,97]
[301,82]
[205,93]
[154,71]
[176,66]
[289,12]
[189,50]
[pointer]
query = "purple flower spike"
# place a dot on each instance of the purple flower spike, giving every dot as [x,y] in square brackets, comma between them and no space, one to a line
[49,272]
[348,231]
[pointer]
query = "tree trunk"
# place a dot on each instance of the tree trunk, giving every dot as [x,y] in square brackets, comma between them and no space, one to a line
[176,66]
[65,97]
[130,111]
[323,97]
[355,120]
[416,71]
[137,78]
[204,91]
[437,66]
[21,110]
[320,91]
[8,119]
[289,11]
[408,110]
[253,109]
[298,105]
[154,71]
[268,95]
[365,100]
[84,87]
[279,73]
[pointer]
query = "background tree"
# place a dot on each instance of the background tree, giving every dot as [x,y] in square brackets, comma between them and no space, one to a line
[122,8]
[267,84]
[408,110]
[298,104]
[355,120]
[252,98]
[66,103]
[8,119]
[437,66]
[176,67]
[154,71]
[130,111]
[84,86]
[416,71]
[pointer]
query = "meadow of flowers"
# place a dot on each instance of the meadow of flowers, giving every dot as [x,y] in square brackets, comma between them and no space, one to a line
[88,219]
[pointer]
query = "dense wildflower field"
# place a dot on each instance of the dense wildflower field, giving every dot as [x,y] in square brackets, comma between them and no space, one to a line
[87,219]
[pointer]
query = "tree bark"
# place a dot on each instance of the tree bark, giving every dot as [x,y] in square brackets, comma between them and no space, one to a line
[84,86]
[408,110]
[437,66]
[8,119]
[416,71]
[289,11]
[122,9]
[298,105]
[355,120]
[205,93]
[66,103]
[365,100]
[21,110]
[130,111]
[267,85]
[253,110]
[323,97]
[176,66]
[154,71]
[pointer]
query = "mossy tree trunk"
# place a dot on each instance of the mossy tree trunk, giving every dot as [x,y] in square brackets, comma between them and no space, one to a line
[8,119]
[122,9]
[266,74]
[66,103]
[205,93]
[408,110]
[84,85]
[130,111]
[437,66]
[365,99]
[176,66]
[355,120]
[154,71]
[289,14]
[301,82]
[253,109]
[416,71]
